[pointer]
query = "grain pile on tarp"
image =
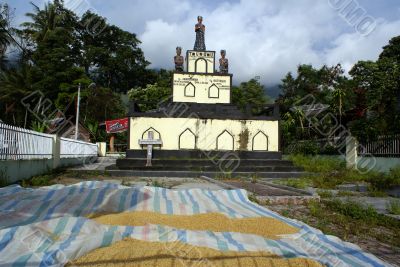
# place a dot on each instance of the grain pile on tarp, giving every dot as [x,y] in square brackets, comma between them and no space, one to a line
[48,227]
[132,252]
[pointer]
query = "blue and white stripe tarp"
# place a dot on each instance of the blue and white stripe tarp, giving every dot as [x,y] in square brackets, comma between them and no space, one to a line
[46,226]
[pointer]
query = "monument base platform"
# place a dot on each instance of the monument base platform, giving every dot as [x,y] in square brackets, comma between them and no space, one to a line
[200,154]
[214,164]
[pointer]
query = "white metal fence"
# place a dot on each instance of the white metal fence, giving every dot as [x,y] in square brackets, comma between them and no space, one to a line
[18,143]
[384,146]
[71,148]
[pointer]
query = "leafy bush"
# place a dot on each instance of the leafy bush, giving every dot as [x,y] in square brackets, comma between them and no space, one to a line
[330,150]
[304,148]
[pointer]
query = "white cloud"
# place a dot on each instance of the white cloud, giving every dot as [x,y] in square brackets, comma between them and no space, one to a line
[264,38]
[350,48]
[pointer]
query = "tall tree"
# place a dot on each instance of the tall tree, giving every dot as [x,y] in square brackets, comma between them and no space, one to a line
[250,93]
[61,51]
[380,83]
[55,51]
[112,58]
[392,50]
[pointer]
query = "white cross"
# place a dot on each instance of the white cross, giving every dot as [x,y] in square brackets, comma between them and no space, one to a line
[150,142]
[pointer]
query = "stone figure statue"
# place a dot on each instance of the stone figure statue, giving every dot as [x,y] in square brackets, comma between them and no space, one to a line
[223,63]
[200,30]
[179,60]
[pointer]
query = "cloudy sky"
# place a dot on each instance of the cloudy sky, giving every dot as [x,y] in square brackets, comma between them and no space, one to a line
[265,38]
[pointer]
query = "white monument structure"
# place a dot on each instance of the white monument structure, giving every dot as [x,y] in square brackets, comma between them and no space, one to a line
[200,118]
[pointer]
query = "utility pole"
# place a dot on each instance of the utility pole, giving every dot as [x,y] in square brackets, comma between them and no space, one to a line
[77,113]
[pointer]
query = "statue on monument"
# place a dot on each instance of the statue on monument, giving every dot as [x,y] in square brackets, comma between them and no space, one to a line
[179,60]
[200,30]
[223,63]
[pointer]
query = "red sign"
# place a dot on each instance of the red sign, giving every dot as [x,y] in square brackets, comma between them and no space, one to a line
[117,126]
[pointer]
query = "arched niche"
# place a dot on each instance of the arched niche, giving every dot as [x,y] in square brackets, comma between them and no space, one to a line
[225,141]
[190,90]
[200,65]
[213,91]
[156,135]
[187,140]
[260,142]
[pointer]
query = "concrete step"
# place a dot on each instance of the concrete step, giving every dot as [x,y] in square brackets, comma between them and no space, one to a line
[139,162]
[199,154]
[240,168]
[193,174]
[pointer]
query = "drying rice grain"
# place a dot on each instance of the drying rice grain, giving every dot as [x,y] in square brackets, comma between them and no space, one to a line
[216,222]
[132,252]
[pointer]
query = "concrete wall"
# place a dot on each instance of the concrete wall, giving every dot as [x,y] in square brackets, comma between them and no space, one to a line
[207,134]
[17,170]
[199,88]
[378,164]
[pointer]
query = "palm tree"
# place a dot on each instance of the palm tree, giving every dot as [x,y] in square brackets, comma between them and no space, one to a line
[52,17]
[15,85]
[4,37]
[43,21]
[298,113]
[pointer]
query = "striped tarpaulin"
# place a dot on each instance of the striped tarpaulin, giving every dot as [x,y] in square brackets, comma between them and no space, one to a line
[47,227]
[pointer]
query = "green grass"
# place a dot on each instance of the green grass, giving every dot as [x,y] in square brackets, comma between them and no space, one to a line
[159,184]
[223,176]
[394,207]
[386,181]
[345,219]
[253,198]
[377,193]
[300,183]
[346,194]
[125,182]
[318,164]
[324,194]
[330,172]
[42,180]
[354,210]
[254,178]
